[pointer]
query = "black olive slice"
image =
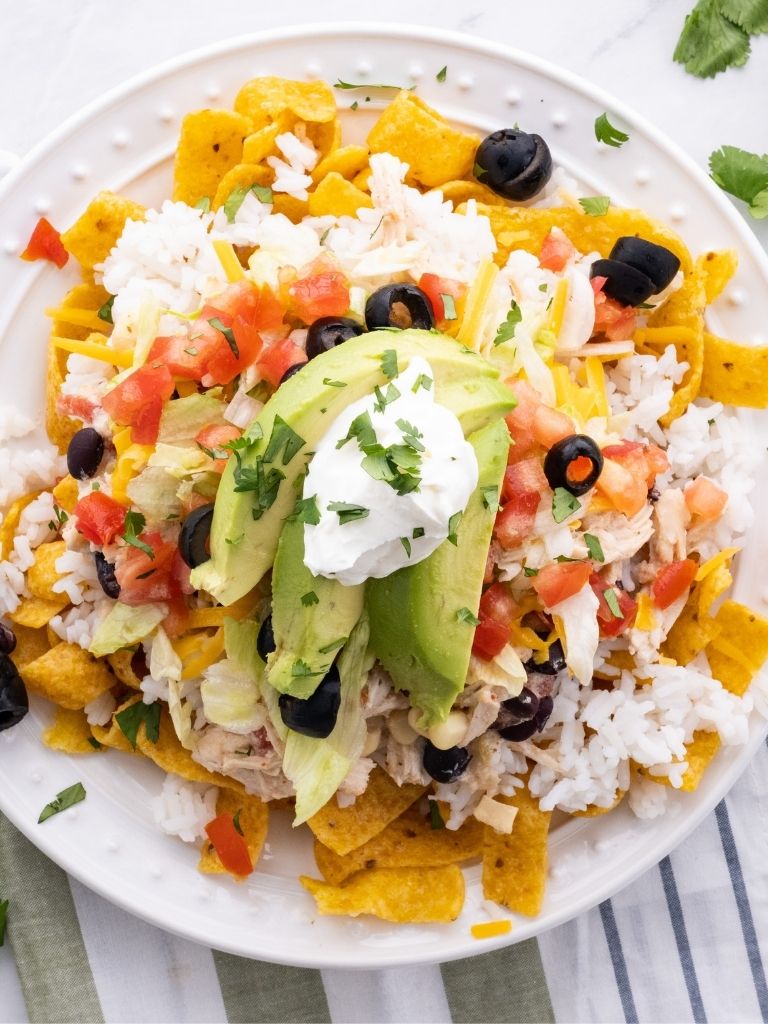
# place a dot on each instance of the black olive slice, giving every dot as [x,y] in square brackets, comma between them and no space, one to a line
[623,283]
[193,539]
[291,372]
[330,331]
[84,453]
[524,730]
[558,467]
[7,639]
[14,703]
[401,306]
[315,716]
[445,765]
[265,641]
[554,663]
[513,163]
[655,261]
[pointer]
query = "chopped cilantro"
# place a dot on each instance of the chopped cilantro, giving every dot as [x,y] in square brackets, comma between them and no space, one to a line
[348,513]
[594,547]
[237,196]
[530,571]
[490,498]
[354,106]
[605,132]
[264,485]
[309,599]
[95,743]
[465,615]
[334,383]
[563,504]
[301,670]
[360,428]
[418,531]
[61,515]
[3,920]
[407,545]
[595,206]
[453,525]
[369,85]
[66,798]
[389,363]
[612,600]
[236,822]
[334,645]
[105,311]
[478,170]
[449,306]
[134,524]
[507,329]
[228,333]
[422,381]
[543,287]
[306,511]
[385,398]
[284,439]
[129,721]
[411,435]
[203,204]
[442,73]
[435,817]
[151,572]
[744,175]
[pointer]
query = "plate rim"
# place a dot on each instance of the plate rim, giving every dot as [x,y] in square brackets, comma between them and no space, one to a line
[679,829]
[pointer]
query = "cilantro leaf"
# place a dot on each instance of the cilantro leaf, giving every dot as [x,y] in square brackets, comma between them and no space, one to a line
[338,84]
[742,174]
[465,615]
[506,331]
[595,206]
[66,798]
[334,645]
[306,511]
[389,363]
[228,333]
[134,524]
[751,15]
[490,498]
[203,204]
[301,670]
[407,545]
[360,428]
[129,721]
[309,599]
[435,817]
[385,398]
[3,920]
[563,504]
[264,484]
[422,381]
[348,513]
[710,42]
[612,600]
[105,311]
[237,196]
[284,439]
[530,571]
[453,525]
[442,74]
[236,822]
[605,132]
[594,547]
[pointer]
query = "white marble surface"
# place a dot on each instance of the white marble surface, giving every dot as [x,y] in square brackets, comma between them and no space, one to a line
[56,56]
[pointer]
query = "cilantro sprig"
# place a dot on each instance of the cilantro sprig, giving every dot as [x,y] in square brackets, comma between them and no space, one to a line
[607,133]
[506,331]
[347,512]
[743,175]
[65,799]
[134,524]
[716,33]
[237,196]
[595,206]
[130,719]
[563,504]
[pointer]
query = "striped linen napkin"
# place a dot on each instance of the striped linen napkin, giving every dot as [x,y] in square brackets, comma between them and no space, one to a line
[681,944]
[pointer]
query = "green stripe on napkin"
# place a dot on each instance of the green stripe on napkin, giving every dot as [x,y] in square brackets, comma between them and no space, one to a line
[254,991]
[45,935]
[507,985]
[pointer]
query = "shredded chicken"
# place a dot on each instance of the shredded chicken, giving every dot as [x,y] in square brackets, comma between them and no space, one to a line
[402,761]
[619,537]
[671,518]
[356,781]
[380,696]
[250,759]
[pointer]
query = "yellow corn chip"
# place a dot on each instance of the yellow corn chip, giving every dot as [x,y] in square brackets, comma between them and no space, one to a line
[37,611]
[737,653]
[11,522]
[695,628]
[253,818]
[735,374]
[408,842]
[294,209]
[515,866]
[343,829]
[720,266]
[262,100]
[517,227]
[402,895]
[362,180]
[325,137]
[261,144]
[68,675]
[348,161]
[594,811]
[70,733]
[699,754]
[434,150]
[121,663]
[241,176]
[460,191]
[42,573]
[92,236]
[30,645]
[112,735]
[65,493]
[210,144]
[338,197]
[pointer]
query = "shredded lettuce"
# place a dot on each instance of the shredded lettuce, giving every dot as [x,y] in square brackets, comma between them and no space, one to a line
[184,418]
[178,461]
[146,328]
[125,625]
[318,767]
[153,493]
[240,646]
[164,662]
[231,698]
[578,617]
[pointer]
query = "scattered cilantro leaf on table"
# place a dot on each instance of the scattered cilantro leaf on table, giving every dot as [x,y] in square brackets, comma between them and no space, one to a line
[715,35]
[609,134]
[743,175]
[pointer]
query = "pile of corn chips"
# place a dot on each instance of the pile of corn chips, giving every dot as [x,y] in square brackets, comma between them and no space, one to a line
[388,854]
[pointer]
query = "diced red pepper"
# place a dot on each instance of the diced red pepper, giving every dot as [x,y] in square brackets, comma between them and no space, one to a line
[229,845]
[45,244]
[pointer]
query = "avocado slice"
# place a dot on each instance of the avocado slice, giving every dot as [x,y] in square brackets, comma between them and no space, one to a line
[310,615]
[243,546]
[416,629]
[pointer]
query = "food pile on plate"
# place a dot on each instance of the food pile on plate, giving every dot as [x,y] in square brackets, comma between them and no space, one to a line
[397,484]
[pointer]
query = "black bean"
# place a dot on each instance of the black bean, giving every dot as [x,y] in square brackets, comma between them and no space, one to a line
[84,453]
[7,639]
[445,765]
[315,716]
[105,571]
[193,538]
[14,703]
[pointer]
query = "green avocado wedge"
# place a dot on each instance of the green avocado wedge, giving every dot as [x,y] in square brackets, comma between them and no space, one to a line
[420,616]
[312,618]
[247,523]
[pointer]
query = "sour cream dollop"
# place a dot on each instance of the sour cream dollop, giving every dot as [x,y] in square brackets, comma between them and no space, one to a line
[376,542]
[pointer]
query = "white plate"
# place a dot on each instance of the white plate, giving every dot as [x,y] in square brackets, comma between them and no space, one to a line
[124,142]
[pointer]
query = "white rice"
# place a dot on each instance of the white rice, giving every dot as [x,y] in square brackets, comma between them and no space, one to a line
[33,530]
[299,157]
[77,624]
[639,391]
[99,711]
[78,577]
[183,808]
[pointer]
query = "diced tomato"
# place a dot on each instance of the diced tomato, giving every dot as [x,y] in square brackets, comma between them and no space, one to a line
[556,583]
[143,579]
[229,845]
[497,603]
[615,321]
[324,294]
[626,491]
[610,625]
[222,363]
[45,244]
[255,305]
[490,639]
[435,287]
[176,621]
[279,357]
[490,566]
[99,518]
[138,401]
[186,359]
[524,477]
[556,251]
[672,581]
[78,406]
[515,521]
[551,426]
[181,573]
[645,460]
[705,499]
[214,438]
[520,420]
